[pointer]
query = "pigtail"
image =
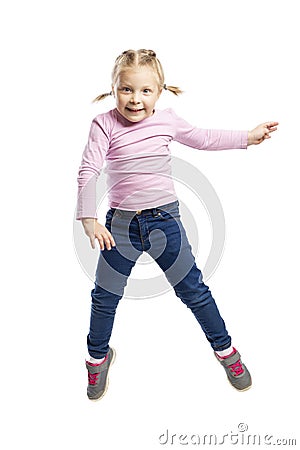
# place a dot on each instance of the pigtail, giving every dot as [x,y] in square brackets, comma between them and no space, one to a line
[101,97]
[174,89]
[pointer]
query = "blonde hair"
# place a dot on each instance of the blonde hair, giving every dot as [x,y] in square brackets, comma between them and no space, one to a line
[139,58]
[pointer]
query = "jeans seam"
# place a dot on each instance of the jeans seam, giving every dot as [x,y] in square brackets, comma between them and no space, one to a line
[141,234]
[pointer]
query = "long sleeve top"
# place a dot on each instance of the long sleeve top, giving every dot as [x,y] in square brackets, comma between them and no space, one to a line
[137,158]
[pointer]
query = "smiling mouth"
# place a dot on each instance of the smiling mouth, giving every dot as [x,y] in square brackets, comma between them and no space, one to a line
[134,110]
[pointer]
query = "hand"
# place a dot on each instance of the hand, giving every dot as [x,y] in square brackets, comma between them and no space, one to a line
[261,132]
[94,230]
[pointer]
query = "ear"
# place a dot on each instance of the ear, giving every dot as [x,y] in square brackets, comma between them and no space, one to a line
[113,90]
[159,92]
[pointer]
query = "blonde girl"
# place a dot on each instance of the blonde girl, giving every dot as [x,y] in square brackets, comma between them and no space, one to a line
[132,141]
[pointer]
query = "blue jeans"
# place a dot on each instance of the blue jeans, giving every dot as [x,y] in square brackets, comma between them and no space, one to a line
[160,233]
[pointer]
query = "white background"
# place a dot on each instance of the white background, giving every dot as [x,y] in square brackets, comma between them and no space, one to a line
[237,63]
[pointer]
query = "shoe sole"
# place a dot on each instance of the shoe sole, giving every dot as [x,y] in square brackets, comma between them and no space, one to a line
[107,379]
[239,390]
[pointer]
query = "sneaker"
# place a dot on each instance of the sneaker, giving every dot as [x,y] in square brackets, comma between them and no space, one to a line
[98,376]
[237,373]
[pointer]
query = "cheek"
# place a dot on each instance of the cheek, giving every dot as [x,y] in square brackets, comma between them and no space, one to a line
[152,103]
[119,100]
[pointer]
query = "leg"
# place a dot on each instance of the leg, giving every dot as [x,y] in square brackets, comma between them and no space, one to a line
[105,302]
[173,254]
[178,263]
[113,270]
[197,296]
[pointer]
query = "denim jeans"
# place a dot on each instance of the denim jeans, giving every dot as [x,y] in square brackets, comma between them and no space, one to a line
[160,233]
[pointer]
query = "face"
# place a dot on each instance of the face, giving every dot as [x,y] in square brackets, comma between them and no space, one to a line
[136,91]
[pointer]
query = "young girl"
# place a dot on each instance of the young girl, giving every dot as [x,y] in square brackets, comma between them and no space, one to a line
[133,139]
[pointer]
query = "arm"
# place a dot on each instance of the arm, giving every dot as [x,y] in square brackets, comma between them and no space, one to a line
[91,165]
[204,139]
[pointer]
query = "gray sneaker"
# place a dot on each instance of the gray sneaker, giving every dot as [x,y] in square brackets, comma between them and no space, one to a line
[237,373]
[98,376]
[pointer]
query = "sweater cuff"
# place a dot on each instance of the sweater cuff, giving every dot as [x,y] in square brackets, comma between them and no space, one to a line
[244,139]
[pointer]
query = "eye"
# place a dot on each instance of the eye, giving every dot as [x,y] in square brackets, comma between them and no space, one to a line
[147,91]
[125,89]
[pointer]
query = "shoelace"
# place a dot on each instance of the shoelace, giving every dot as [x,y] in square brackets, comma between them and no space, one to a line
[236,368]
[93,378]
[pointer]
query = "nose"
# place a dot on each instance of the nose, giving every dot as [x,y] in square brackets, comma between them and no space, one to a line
[135,98]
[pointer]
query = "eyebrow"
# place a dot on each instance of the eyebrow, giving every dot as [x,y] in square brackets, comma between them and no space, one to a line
[146,86]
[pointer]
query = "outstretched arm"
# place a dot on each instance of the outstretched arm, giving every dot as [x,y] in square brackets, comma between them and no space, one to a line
[261,132]
[210,139]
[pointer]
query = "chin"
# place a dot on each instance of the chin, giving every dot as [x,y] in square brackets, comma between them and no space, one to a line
[136,118]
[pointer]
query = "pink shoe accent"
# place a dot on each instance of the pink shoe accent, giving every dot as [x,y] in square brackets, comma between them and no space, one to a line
[236,368]
[99,364]
[93,377]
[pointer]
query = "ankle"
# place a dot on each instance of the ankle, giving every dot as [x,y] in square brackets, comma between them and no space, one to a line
[226,353]
[95,361]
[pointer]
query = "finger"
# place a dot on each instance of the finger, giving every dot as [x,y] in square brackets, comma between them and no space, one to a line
[269,130]
[272,125]
[109,240]
[272,129]
[100,240]
[104,241]
[112,241]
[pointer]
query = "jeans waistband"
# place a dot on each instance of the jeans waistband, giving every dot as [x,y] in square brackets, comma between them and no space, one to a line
[149,211]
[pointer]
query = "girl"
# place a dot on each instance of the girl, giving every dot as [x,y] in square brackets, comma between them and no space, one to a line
[133,139]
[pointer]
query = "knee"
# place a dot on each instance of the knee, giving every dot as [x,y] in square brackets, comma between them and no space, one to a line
[194,298]
[102,298]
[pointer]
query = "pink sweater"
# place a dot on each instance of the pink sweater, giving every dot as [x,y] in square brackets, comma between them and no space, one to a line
[138,159]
